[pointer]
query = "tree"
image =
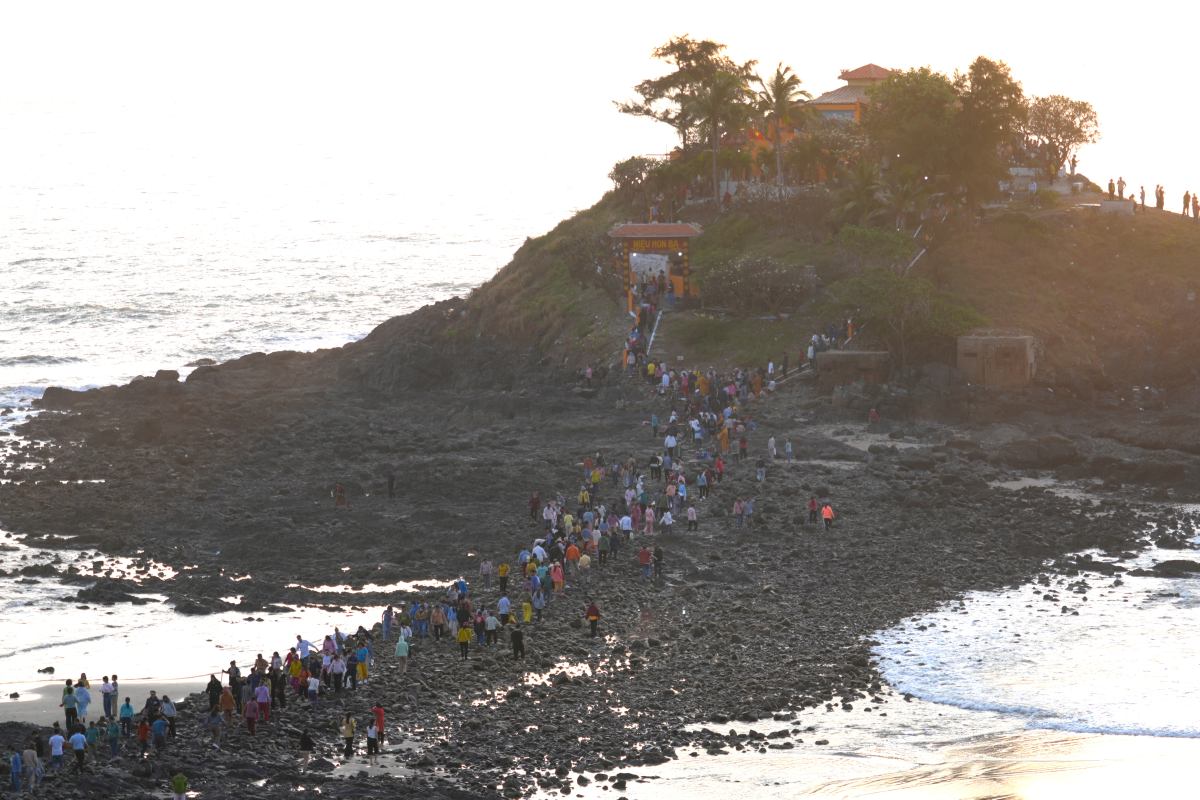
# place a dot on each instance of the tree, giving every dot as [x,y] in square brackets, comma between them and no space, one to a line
[910,121]
[907,312]
[719,106]
[826,145]
[857,202]
[1061,126]
[778,103]
[903,195]
[632,172]
[875,248]
[670,98]
[993,111]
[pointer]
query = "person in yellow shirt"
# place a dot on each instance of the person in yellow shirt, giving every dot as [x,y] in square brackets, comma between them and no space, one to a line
[527,612]
[502,576]
[464,641]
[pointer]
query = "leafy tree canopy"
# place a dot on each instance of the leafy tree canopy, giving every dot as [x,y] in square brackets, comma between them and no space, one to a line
[906,312]
[1061,126]
[672,98]
[910,121]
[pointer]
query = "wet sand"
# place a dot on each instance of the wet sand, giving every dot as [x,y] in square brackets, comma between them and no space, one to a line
[40,704]
[904,757]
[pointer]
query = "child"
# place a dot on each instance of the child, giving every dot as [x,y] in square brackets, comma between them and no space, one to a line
[126,714]
[143,735]
[372,741]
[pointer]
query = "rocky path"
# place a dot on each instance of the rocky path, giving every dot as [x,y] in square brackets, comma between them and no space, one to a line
[749,623]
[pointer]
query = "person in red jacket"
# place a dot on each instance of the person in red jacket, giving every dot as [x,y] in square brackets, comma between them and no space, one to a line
[645,558]
[377,710]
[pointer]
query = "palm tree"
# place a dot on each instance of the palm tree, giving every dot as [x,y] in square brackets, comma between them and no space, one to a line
[778,103]
[720,106]
[858,201]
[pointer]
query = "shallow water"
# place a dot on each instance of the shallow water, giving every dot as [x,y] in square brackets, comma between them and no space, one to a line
[147,645]
[1119,659]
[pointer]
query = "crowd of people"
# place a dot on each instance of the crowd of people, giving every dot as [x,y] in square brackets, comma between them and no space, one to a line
[621,505]
[1191,200]
[90,737]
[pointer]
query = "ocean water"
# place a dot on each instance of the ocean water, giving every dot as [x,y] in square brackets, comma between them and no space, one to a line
[1111,654]
[99,288]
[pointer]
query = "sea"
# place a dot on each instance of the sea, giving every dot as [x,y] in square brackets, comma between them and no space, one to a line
[98,287]
[997,694]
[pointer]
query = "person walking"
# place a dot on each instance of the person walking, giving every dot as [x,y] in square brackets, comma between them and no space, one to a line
[57,744]
[372,741]
[464,641]
[15,768]
[250,715]
[31,769]
[593,617]
[347,729]
[645,560]
[79,748]
[402,650]
[126,714]
[827,515]
[812,510]
[170,713]
[516,638]
[502,576]
[388,616]
[70,707]
[113,734]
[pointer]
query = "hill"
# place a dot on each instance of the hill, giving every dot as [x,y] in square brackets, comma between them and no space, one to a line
[1112,298]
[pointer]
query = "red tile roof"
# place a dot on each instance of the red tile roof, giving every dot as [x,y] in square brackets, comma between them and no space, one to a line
[867,72]
[651,230]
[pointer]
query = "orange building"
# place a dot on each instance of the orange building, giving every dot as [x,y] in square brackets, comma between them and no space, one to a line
[847,102]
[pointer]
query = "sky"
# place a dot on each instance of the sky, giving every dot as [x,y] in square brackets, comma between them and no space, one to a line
[513,97]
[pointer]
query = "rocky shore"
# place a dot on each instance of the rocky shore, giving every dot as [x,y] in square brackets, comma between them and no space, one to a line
[229,474]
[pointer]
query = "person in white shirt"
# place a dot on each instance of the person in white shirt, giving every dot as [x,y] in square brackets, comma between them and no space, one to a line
[372,742]
[56,749]
[303,646]
[107,693]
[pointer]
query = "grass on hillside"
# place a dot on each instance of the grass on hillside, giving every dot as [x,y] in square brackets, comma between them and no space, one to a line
[1089,285]
[705,340]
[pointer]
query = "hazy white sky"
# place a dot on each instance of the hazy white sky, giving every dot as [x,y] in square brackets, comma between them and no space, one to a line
[487,94]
